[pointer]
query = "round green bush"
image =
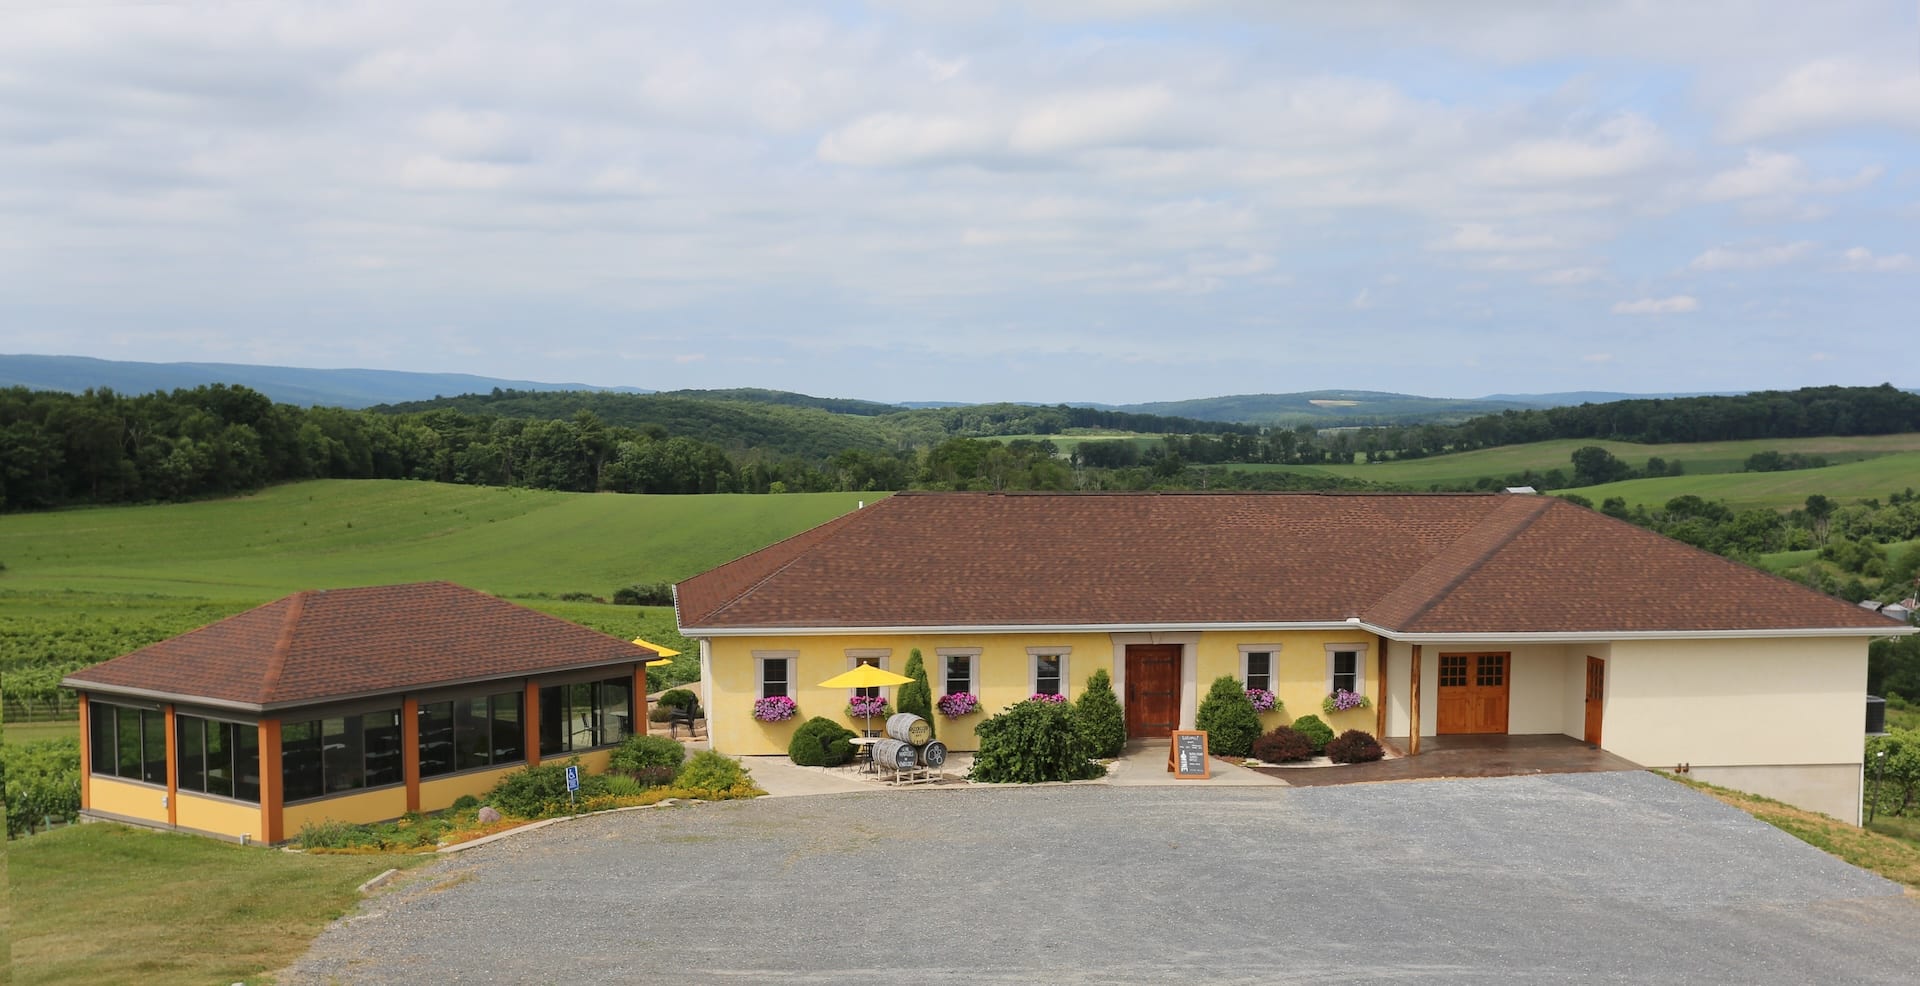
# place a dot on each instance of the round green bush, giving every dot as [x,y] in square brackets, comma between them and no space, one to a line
[642,752]
[1227,716]
[711,772]
[1283,745]
[1102,722]
[1316,732]
[678,698]
[465,801]
[535,792]
[820,742]
[660,713]
[1354,746]
[1032,742]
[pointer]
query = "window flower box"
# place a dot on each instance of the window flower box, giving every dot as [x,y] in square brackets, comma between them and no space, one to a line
[778,708]
[1342,700]
[867,707]
[1263,700]
[1043,697]
[958,704]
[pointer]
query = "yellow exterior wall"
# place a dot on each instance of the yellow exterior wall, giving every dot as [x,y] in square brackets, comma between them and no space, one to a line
[367,806]
[128,799]
[441,792]
[1003,677]
[220,816]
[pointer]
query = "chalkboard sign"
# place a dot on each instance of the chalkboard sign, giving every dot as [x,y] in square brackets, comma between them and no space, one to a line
[1187,755]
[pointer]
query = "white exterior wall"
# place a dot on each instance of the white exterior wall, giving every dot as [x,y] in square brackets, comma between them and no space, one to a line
[1539,681]
[1781,717]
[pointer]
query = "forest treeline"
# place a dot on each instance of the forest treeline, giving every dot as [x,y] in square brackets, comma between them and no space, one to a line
[61,449]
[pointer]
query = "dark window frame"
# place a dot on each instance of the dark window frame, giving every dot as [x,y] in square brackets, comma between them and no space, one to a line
[106,751]
[482,738]
[322,783]
[559,709]
[1265,676]
[235,753]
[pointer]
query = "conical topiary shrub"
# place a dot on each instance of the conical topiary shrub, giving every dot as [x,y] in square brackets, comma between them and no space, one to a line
[1102,722]
[1227,716]
[915,696]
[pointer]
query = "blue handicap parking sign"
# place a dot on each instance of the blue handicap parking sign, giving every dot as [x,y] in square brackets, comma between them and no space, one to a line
[573,778]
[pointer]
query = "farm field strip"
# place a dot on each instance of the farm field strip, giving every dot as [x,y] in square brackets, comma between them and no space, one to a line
[1874,477]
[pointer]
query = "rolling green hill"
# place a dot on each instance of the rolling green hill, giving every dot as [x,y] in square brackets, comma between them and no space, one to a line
[1329,408]
[1874,477]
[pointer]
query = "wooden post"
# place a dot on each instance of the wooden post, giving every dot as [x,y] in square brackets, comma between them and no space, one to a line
[86,751]
[410,749]
[638,707]
[272,781]
[530,716]
[173,766]
[1413,714]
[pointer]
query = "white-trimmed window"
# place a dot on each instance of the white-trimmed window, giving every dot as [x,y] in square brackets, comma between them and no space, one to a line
[877,657]
[775,668]
[1259,663]
[1047,670]
[959,670]
[1347,668]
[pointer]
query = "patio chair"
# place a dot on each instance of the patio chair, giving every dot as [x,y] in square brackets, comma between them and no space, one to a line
[688,715]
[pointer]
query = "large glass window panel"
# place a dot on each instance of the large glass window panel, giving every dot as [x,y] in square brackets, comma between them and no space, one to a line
[300,760]
[153,742]
[553,720]
[472,735]
[219,740]
[509,736]
[190,749]
[101,720]
[246,762]
[616,710]
[380,731]
[436,738]
[128,742]
[583,728]
[343,751]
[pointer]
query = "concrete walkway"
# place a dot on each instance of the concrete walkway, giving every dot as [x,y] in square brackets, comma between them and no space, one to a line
[1143,764]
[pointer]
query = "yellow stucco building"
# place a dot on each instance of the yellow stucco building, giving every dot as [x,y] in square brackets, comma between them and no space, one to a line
[1451,613]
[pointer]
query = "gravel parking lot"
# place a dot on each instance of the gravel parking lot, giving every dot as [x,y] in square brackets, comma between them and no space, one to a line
[1556,878]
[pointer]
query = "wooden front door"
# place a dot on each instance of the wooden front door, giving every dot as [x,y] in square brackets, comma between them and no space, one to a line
[1153,690]
[1473,693]
[1596,694]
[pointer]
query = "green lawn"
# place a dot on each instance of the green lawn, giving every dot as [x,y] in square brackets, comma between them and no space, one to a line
[111,904]
[29,732]
[1874,477]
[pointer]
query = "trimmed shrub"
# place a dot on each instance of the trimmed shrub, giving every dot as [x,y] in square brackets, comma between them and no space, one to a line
[644,594]
[1316,732]
[655,776]
[677,698]
[1283,745]
[660,713]
[1102,723]
[640,753]
[465,801]
[1354,746]
[1227,716]
[534,792]
[712,773]
[915,696]
[1032,742]
[821,742]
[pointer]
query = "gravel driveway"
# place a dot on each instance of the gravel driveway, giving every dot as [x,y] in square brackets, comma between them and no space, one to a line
[1576,877]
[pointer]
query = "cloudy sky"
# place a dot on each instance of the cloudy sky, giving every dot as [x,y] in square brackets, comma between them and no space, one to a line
[1103,200]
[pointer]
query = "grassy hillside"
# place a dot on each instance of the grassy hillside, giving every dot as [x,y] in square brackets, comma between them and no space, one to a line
[1777,490]
[1327,408]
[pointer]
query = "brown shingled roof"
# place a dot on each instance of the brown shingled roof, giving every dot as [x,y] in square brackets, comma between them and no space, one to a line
[1410,563]
[336,643]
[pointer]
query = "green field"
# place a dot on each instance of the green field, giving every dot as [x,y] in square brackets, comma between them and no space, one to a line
[1874,477]
[1067,441]
[83,585]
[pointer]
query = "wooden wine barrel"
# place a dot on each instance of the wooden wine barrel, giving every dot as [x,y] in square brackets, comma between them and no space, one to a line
[895,754]
[933,754]
[909,728]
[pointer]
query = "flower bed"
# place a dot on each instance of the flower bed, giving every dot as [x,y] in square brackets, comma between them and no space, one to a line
[1343,700]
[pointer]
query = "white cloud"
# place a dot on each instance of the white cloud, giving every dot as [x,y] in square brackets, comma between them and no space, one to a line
[1623,145]
[1765,173]
[1363,300]
[1568,276]
[1481,237]
[1729,258]
[1657,306]
[1863,259]
[1830,93]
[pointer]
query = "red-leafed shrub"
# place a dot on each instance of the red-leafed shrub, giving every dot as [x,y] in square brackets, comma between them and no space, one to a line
[1354,746]
[1283,745]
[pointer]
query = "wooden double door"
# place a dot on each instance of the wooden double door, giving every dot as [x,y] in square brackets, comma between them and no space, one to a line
[1473,693]
[1153,690]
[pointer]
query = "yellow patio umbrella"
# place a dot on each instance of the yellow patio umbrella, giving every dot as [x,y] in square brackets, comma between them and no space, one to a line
[667,654]
[866,676]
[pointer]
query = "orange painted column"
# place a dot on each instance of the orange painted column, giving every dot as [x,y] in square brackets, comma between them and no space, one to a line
[639,706]
[1413,713]
[173,768]
[410,750]
[1380,675]
[86,751]
[531,718]
[272,782]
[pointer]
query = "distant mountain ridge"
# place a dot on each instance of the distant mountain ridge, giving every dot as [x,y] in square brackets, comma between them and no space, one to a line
[351,388]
